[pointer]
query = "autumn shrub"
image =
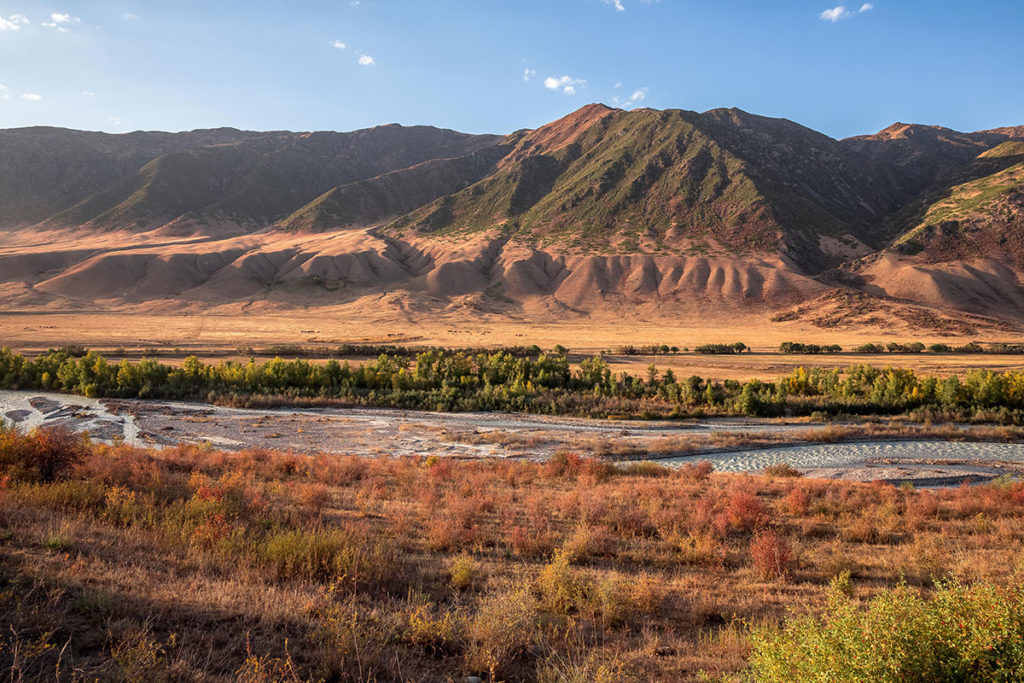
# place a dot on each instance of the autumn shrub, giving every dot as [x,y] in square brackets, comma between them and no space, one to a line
[797,501]
[771,555]
[697,472]
[347,554]
[501,629]
[745,512]
[434,630]
[463,571]
[782,469]
[960,633]
[562,588]
[75,495]
[701,548]
[585,542]
[46,455]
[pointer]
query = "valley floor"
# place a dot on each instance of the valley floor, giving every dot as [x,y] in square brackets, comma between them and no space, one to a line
[191,563]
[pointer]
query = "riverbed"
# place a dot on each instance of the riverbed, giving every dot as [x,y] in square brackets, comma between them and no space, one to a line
[386,432]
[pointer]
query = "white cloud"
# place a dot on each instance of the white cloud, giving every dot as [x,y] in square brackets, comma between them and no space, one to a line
[338,44]
[116,120]
[840,12]
[31,97]
[13,22]
[638,96]
[88,93]
[366,60]
[835,14]
[4,94]
[566,84]
[57,21]
[617,4]
[128,16]
[528,74]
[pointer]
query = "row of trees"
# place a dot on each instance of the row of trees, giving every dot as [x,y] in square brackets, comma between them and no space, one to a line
[452,381]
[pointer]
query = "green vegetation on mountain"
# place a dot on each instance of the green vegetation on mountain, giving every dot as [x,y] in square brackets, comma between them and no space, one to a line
[980,215]
[668,181]
[392,194]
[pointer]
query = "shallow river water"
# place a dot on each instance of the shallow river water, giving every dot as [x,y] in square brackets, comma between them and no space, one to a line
[376,432]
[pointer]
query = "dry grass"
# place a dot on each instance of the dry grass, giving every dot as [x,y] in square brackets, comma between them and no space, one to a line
[260,566]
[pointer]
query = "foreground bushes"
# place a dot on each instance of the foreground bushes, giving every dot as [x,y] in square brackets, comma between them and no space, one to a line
[961,633]
[193,564]
[44,456]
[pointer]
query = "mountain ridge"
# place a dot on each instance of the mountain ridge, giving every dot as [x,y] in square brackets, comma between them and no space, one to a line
[670,212]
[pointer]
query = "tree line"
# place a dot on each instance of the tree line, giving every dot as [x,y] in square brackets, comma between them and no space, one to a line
[500,381]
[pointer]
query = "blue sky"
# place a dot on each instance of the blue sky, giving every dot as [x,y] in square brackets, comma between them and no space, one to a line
[501,65]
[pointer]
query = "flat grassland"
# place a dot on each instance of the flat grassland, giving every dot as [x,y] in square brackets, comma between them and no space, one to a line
[220,337]
[121,563]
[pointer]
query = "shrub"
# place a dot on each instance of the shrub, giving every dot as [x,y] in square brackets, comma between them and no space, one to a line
[797,501]
[782,469]
[463,571]
[45,455]
[771,555]
[562,588]
[745,512]
[963,633]
[346,554]
[501,629]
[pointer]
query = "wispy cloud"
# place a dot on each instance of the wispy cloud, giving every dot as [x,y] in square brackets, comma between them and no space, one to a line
[88,93]
[366,60]
[638,96]
[617,4]
[840,12]
[566,84]
[835,14]
[339,44]
[32,97]
[128,16]
[58,21]
[5,92]
[528,74]
[13,22]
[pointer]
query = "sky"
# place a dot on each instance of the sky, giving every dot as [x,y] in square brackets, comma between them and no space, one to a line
[496,66]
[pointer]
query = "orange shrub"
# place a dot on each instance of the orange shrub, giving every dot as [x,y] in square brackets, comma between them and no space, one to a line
[797,500]
[745,512]
[771,554]
[46,455]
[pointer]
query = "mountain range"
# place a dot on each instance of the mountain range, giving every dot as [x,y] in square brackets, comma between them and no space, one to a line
[642,213]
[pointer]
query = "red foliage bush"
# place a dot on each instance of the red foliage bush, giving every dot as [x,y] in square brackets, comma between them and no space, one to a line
[45,455]
[745,512]
[797,500]
[771,554]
